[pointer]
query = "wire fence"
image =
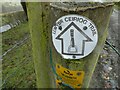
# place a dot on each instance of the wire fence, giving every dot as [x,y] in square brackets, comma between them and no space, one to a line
[14,72]
[20,43]
[23,63]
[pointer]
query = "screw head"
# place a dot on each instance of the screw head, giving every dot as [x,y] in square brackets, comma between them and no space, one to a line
[60,27]
[85,28]
[79,85]
[58,66]
[79,73]
[74,56]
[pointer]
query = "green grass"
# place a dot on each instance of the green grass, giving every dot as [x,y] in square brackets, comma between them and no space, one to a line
[18,68]
[14,35]
[11,17]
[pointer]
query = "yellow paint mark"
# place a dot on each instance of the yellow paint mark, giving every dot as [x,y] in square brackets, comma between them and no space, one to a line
[72,78]
[58,83]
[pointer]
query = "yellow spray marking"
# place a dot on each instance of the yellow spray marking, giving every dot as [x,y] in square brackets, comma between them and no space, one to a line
[69,77]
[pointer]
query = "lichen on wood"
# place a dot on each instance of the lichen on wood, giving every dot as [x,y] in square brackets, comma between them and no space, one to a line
[99,14]
[38,14]
[42,16]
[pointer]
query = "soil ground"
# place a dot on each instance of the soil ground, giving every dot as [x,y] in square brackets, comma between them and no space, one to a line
[106,73]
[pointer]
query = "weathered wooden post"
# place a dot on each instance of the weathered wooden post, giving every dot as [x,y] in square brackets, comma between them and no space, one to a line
[68,38]
[38,15]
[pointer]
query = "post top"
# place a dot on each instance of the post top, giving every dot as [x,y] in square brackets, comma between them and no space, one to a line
[77,6]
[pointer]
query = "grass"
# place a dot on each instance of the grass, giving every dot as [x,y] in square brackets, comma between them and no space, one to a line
[18,68]
[14,35]
[11,17]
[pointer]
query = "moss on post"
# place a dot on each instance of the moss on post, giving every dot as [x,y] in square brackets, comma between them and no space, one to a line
[100,15]
[42,17]
[38,14]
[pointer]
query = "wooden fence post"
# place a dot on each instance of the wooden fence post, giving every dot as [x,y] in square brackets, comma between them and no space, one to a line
[42,17]
[38,15]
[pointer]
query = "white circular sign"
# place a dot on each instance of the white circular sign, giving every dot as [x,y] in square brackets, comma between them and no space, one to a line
[74,36]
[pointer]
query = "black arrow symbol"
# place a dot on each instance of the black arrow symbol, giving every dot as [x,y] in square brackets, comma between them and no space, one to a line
[83,42]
